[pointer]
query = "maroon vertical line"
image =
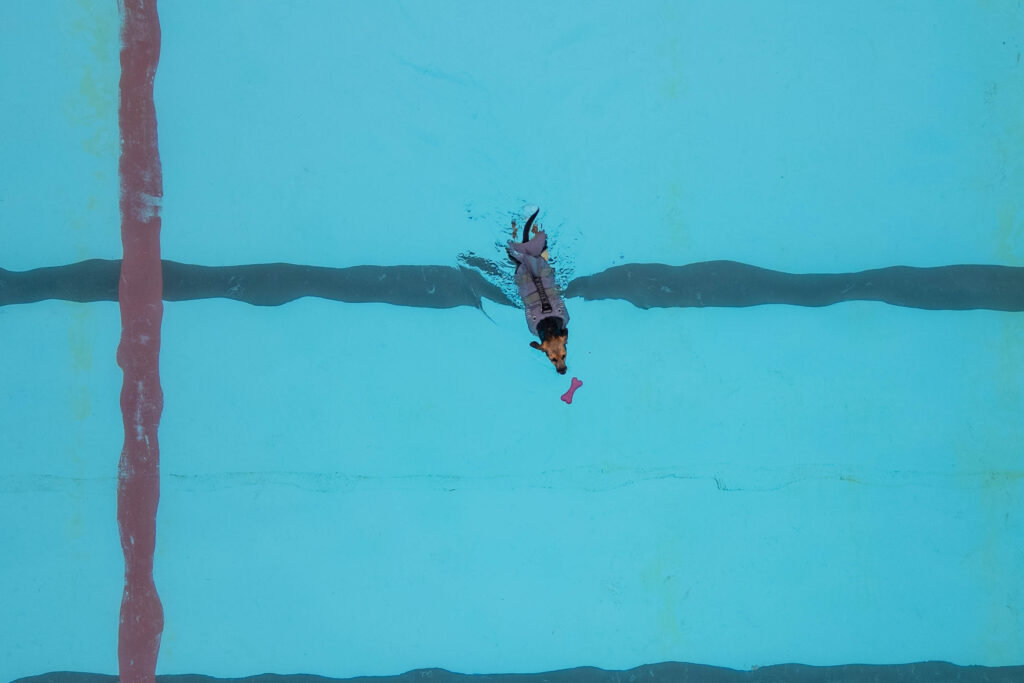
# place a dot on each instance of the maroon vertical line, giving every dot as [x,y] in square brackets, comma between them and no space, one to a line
[139,292]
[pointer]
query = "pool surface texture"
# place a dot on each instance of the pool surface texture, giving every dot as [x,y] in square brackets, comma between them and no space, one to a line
[268,409]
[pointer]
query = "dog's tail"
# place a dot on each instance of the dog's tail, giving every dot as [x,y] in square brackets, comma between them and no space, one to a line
[529,224]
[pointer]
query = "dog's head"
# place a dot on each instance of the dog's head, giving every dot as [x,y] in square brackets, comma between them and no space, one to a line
[554,346]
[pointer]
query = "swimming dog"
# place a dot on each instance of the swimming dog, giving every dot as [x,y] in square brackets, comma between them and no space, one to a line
[545,311]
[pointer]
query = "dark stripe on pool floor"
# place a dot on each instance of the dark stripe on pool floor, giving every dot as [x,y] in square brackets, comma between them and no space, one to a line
[645,285]
[667,672]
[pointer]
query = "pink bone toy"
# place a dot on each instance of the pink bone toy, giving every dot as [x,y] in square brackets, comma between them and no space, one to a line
[574,385]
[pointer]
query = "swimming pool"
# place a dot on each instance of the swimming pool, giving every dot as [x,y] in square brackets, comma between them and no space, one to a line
[791,246]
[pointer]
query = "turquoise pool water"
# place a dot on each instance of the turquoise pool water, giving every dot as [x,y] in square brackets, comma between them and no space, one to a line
[367,488]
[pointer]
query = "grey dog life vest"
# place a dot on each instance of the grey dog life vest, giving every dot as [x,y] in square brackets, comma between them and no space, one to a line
[536,282]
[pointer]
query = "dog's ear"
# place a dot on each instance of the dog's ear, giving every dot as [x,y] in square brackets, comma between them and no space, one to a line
[535,345]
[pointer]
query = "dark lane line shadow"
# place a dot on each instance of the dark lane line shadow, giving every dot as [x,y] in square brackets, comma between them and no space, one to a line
[728,283]
[269,284]
[665,672]
[645,285]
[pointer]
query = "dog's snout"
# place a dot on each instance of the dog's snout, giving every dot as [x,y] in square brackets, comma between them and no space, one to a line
[561,370]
